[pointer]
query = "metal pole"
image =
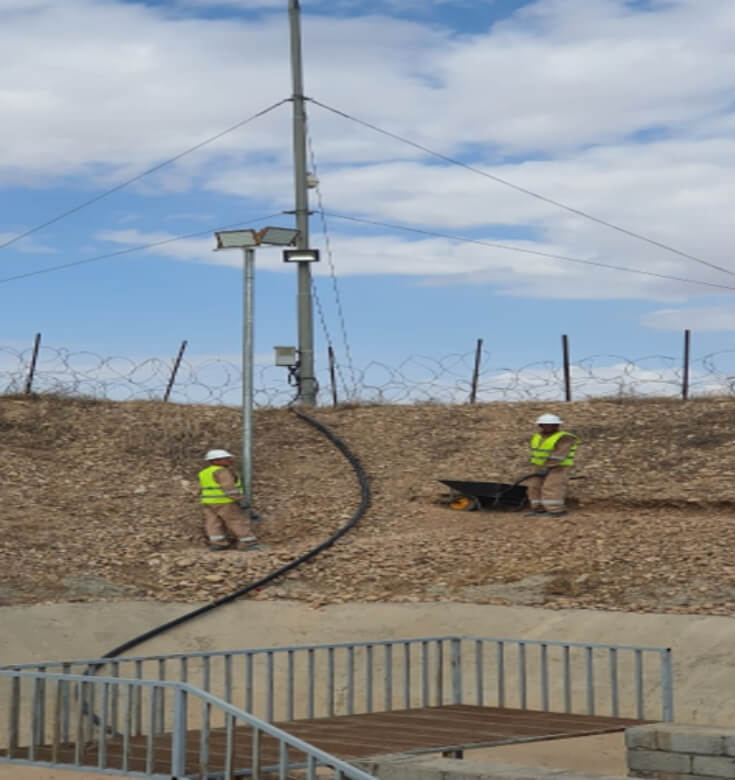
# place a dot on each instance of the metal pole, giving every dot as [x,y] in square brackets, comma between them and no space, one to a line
[307,382]
[476,371]
[567,375]
[685,377]
[32,367]
[174,370]
[247,371]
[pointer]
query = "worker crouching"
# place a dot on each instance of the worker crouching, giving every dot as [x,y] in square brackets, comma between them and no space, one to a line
[223,500]
[552,453]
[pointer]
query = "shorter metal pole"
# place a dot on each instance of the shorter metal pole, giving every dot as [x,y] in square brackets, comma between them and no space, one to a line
[685,372]
[32,367]
[174,370]
[332,377]
[476,371]
[247,371]
[567,373]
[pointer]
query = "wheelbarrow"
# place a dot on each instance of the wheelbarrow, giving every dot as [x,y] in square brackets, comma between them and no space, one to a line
[470,496]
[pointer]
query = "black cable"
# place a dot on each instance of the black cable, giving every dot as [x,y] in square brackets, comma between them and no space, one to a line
[524,190]
[142,175]
[138,248]
[357,515]
[523,250]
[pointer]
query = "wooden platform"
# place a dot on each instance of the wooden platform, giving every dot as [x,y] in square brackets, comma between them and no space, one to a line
[424,730]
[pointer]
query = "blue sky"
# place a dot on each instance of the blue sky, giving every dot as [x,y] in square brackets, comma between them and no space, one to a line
[622,110]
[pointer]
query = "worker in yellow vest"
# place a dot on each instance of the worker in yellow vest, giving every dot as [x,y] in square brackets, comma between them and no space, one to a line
[223,501]
[552,453]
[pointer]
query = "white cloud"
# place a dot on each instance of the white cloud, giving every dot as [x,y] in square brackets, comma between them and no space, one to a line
[711,319]
[239,4]
[564,84]
[429,261]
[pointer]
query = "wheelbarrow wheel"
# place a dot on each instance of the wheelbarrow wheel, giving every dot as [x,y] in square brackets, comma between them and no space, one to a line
[464,504]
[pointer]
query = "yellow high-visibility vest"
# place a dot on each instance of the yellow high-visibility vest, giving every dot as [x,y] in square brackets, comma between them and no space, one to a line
[542,447]
[211,491]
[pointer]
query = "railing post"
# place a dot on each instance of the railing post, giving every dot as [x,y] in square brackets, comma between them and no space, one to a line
[456,645]
[476,371]
[14,716]
[178,738]
[567,372]
[685,368]
[174,370]
[32,366]
[256,756]
[667,686]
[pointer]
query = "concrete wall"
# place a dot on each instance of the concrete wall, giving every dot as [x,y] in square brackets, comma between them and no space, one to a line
[680,752]
[400,767]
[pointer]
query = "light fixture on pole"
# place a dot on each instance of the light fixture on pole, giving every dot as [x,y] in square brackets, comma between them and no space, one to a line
[236,239]
[247,240]
[300,255]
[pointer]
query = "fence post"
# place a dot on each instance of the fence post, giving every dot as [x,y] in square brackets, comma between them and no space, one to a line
[476,371]
[32,367]
[567,375]
[175,370]
[685,372]
[332,377]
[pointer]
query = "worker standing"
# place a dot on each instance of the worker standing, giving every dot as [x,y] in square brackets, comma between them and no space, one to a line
[552,453]
[223,501]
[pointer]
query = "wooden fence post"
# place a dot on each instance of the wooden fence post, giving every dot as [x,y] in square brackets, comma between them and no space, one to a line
[332,377]
[567,373]
[32,367]
[175,370]
[685,371]
[476,371]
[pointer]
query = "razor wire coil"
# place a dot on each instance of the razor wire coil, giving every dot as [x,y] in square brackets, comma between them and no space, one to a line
[416,379]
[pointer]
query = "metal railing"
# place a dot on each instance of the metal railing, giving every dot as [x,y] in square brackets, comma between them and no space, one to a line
[143,728]
[325,680]
[574,677]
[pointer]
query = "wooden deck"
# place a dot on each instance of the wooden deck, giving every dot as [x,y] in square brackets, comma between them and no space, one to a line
[425,730]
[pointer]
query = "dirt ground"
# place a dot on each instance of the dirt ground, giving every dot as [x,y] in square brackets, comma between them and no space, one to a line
[99,502]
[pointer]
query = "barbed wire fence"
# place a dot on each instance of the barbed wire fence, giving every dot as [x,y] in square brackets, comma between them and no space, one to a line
[468,377]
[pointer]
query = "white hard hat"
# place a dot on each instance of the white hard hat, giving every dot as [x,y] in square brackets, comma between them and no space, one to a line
[215,454]
[548,419]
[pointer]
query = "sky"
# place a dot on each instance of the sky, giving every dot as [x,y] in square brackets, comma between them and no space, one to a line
[551,126]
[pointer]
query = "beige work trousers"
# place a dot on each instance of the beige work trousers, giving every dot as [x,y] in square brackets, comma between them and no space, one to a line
[221,520]
[549,492]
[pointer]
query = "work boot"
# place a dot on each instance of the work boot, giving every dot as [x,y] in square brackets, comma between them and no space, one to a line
[244,545]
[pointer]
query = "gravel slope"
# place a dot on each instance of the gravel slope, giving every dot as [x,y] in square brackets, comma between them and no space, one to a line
[99,502]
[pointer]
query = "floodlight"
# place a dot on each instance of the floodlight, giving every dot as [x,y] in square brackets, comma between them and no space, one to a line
[285,356]
[278,235]
[236,239]
[300,255]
